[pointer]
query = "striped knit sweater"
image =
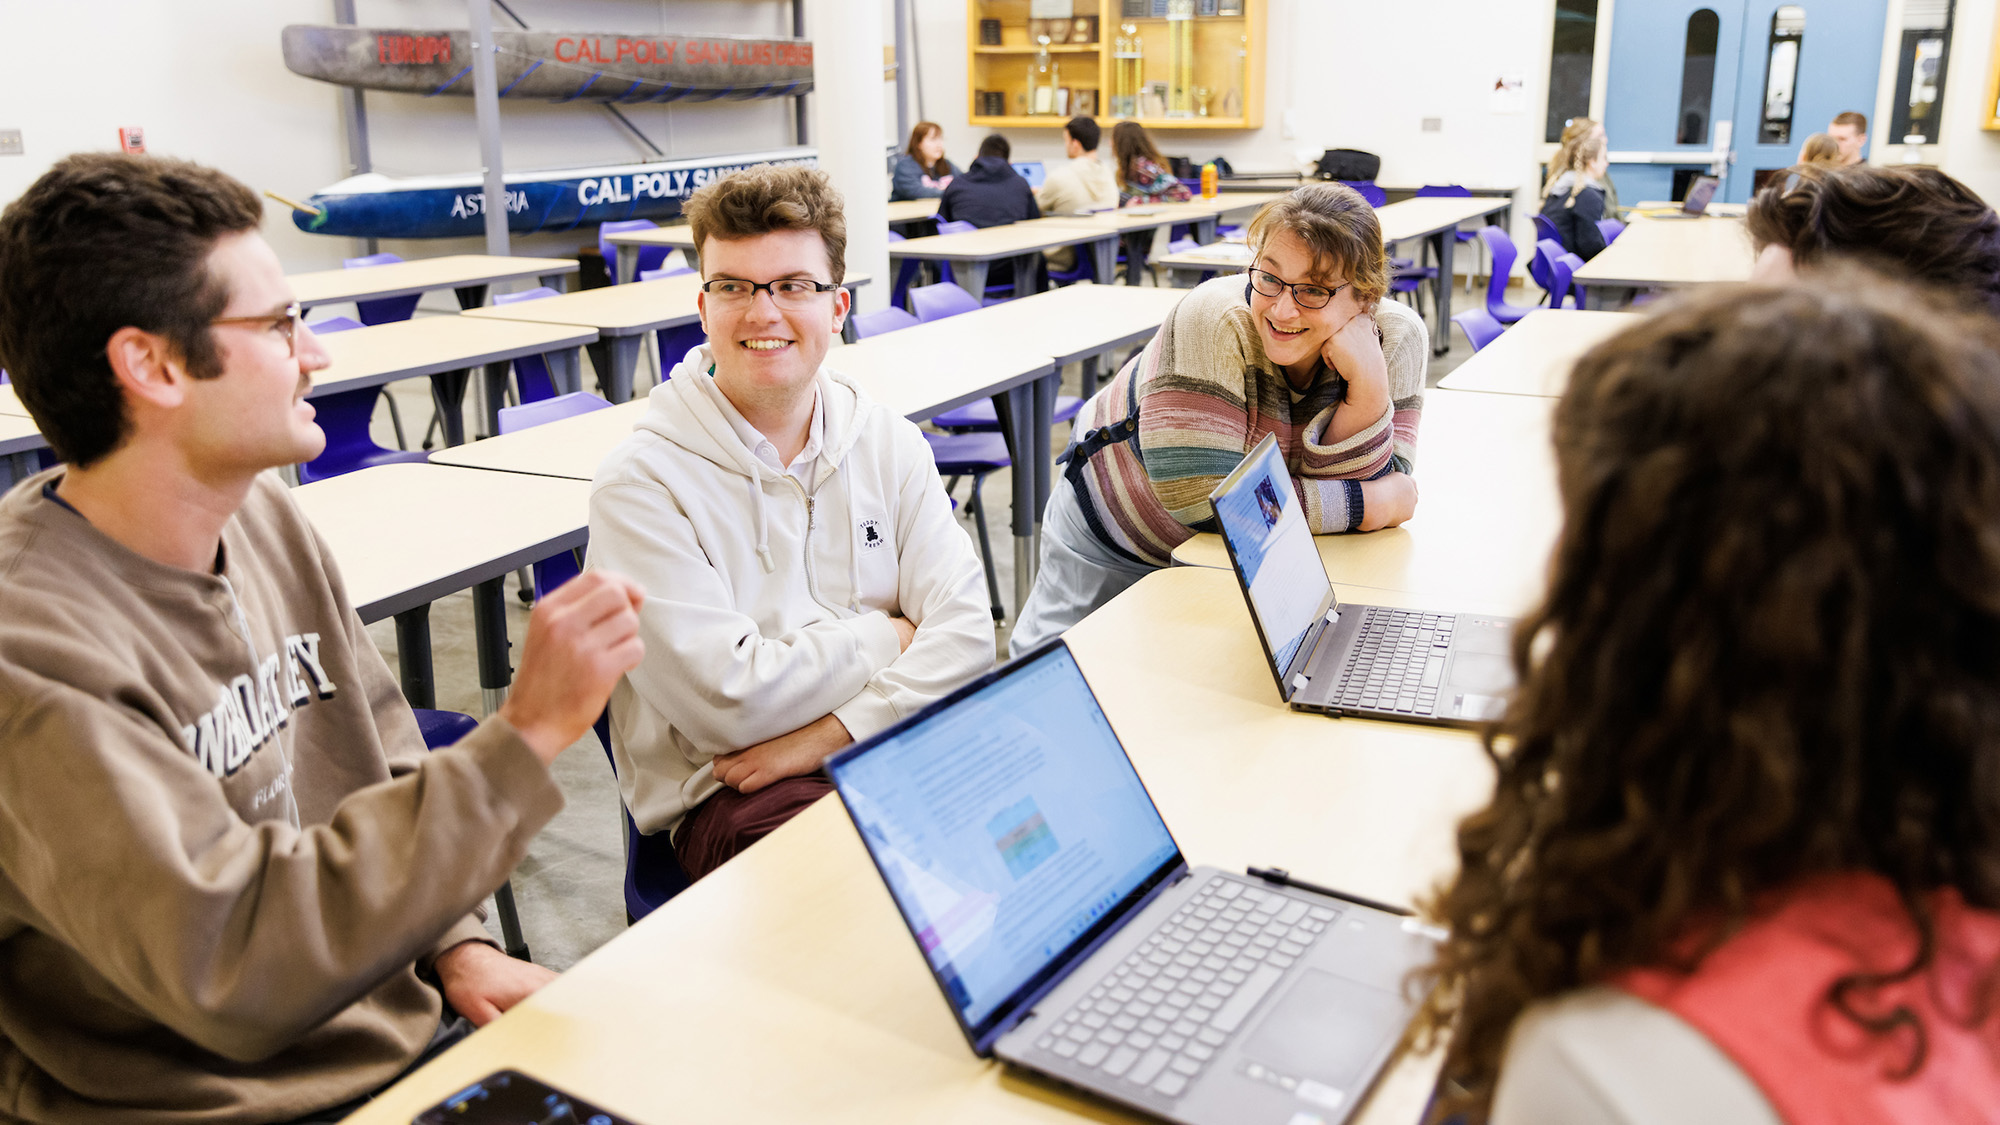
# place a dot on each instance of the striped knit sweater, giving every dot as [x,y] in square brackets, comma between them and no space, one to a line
[1207,394]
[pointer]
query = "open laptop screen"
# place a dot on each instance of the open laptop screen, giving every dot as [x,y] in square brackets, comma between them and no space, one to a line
[1009,826]
[1265,525]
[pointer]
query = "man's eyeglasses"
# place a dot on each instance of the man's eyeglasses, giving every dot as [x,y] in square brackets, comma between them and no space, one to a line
[1306,296]
[788,292]
[286,322]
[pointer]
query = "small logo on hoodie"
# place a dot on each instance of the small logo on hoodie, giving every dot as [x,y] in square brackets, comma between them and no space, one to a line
[871,535]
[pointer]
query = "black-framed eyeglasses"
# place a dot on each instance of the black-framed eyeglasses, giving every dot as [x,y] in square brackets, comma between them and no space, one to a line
[791,292]
[286,322]
[1306,296]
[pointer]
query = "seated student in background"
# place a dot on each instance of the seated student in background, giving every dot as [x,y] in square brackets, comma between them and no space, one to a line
[1143,176]
[1303,347]
[1573,199]
[920,171]
[1820,149]
[989,193]
[1576,130]
[1911,222]
[805,582]
[1081,185]
[1850,131]
[233,884]
[1742,861]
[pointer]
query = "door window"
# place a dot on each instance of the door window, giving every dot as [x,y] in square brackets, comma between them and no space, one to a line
[1570,59]
[1698,77]
[1781,74]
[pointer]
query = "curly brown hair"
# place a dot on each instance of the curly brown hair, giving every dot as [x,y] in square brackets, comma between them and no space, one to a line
[1913,222]
[100,242]
[1338,228]
[770,197]
[1769,648]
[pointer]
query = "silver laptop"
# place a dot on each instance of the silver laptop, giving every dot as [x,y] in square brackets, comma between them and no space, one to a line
[1071,938]
[1695,204]
[1370,661]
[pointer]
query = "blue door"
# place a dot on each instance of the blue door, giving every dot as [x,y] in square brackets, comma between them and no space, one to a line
[1742,83]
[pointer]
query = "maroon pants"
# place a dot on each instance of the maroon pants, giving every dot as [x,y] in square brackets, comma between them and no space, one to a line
[728,822]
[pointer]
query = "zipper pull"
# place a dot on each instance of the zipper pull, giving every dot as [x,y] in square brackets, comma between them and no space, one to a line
[809,515]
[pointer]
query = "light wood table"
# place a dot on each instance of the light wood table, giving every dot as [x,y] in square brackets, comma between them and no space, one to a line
[406,535]
[911,210]
[446,348]
[1534,356]
[785,988]
[569,447]
[1191,267]
[1487,511]
[1715,207]
[10,403]
[1664,253]
[19,441]
[622,315]
[973,253]
[467,274]
[1202,214]
[1436,219]
[680,236]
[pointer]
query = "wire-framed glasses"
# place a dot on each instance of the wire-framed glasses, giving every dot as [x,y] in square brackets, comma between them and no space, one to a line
[1306,296]
[286,322]
[789,292]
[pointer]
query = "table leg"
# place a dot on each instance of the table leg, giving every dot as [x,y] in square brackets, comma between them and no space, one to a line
[413,656]
[1043,425]
[1028,274]
[1137,244]
[494,383]
[1204,230]
[1104,256]
[556,281]
[1016,408]
[626,267]
[616,376]
[972,277]
[489,627]
[448,393]
[1447,241]
[566,369]
[1087,378]
[470,296]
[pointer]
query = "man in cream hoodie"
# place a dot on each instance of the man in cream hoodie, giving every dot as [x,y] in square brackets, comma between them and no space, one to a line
[805,582]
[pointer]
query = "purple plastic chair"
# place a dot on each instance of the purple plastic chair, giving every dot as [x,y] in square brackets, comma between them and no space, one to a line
[652,871]
[680,339]
[1546,229]
[1375,196]
[1502,249]
[663,271]
[1479,326]
[383,310]
[882,320]
[977,456]
[345,416]
[532,381]
[935,302]
[1564,268]
[650,257]
[1610,229]
[1541,268]
[445,728]
[559,568]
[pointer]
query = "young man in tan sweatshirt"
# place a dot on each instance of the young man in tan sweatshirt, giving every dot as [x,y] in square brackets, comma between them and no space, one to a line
[233,885]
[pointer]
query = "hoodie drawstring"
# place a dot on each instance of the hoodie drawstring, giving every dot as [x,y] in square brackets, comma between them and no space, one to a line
[853,554]
[763,524]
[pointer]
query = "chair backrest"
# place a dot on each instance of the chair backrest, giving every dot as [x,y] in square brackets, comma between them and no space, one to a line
[935,302]
[1546,229]
[652,872]
[1182,245]
[1559,278]
[959,226]
[1031,171]
[535,294]
[1610,229]
[531,414]
[655,275]
[1479,325]
[1375,196]
[1547,250]
[383,310]
[1565,270]
[1452,191]
[650,257]
[895,236]
[333,324]
[882,320]
[1502,249]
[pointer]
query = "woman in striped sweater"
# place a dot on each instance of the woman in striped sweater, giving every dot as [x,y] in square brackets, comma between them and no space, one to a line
[1304,348]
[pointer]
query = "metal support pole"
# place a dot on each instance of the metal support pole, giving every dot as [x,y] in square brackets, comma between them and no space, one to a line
[902,68]
[799,131]
[486,103]
[354,121]
[489,626]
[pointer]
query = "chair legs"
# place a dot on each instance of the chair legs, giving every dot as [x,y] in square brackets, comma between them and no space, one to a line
[978,507]
[395,419]
[510,923]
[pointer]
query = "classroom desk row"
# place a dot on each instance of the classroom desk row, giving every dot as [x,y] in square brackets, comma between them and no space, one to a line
[1668,253]
[784,987]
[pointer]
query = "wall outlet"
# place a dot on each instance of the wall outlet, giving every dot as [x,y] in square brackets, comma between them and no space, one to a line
[10,142]
[1433,124]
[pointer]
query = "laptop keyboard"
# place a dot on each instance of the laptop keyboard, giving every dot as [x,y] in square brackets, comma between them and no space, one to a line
[1159,1017]
[1397,661]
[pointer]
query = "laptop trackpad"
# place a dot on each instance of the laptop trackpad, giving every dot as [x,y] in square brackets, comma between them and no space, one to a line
[1326,1028]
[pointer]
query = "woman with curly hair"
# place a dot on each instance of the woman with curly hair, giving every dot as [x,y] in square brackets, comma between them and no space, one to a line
[1742,861]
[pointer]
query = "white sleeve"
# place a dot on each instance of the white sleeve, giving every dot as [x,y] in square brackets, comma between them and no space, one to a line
[940,588]
[1603,1056]
[708,670]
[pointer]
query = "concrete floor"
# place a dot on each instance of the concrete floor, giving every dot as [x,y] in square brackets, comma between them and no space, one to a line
[570,889]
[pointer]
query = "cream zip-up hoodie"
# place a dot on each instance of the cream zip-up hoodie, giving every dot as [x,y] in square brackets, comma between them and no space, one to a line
[768,603]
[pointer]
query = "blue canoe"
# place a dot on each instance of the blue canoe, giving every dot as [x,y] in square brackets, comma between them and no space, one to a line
[454,206]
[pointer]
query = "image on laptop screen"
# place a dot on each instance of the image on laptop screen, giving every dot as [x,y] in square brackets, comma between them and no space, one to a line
[1265,524]
[1006,825]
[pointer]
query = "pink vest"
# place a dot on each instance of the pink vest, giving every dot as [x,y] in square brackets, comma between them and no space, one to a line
[1762,999]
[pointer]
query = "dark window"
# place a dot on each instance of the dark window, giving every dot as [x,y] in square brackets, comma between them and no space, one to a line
[1781,74]
[1697,77]
[1569,64]
[1920,66]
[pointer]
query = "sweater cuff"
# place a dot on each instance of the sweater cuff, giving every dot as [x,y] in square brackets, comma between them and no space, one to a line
[465,929]
[868,713]
[1356,509]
